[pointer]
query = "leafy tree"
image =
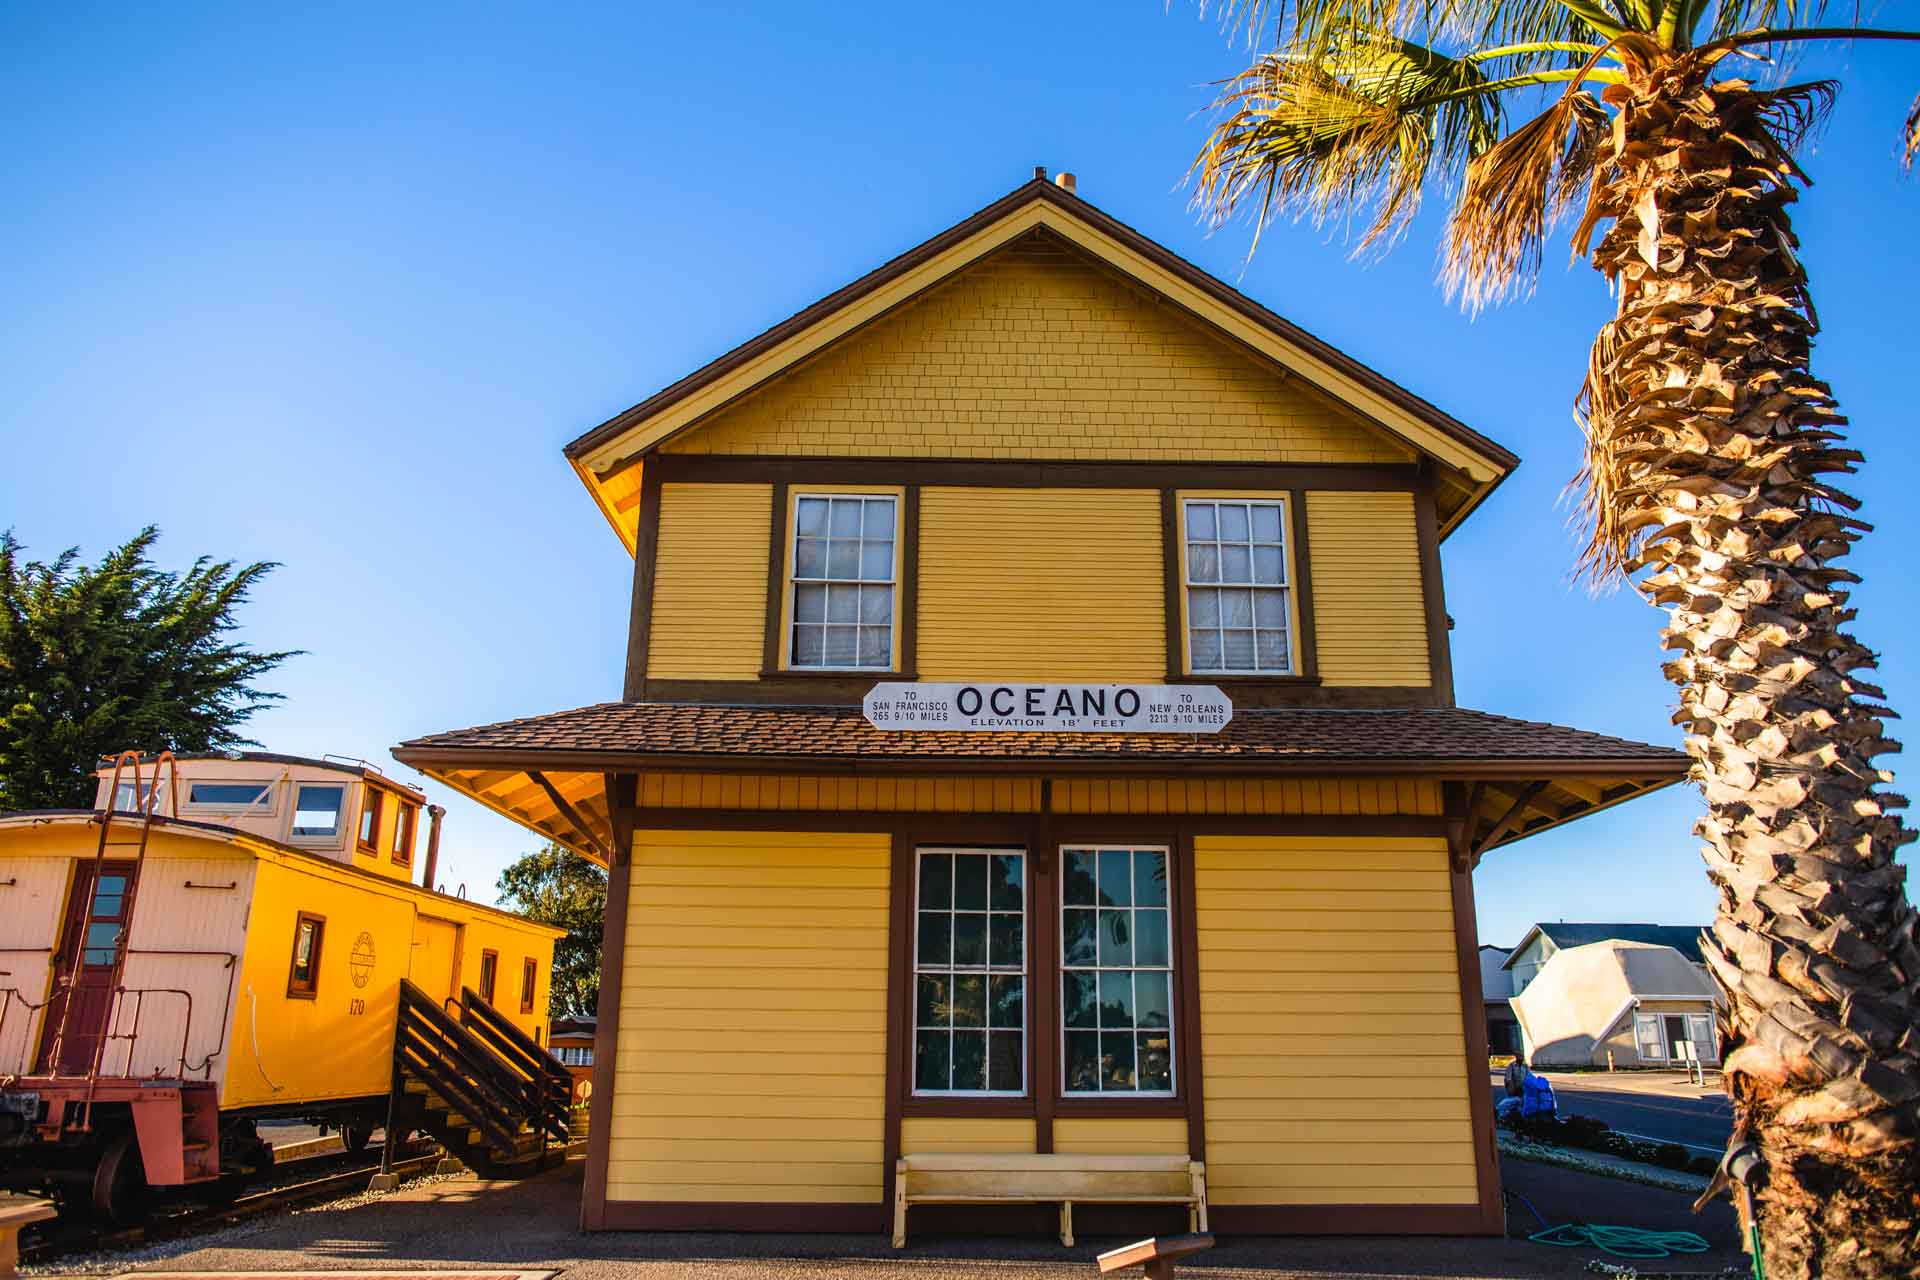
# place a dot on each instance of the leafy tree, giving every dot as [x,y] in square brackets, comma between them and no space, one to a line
[557,886]
[1708,482]
[116,656]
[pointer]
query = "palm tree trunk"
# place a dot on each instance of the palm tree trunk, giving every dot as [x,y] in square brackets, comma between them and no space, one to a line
[1711,450]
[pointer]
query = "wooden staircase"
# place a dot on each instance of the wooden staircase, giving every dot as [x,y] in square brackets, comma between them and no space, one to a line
[490,1095]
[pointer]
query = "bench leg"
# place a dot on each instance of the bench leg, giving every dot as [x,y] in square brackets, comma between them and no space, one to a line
[1066,1224]
[9,1251]
[900,1214]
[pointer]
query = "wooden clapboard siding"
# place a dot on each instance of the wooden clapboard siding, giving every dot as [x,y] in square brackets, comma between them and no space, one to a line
[1257,796]
[710,582]
[1370,621]
[752,1045]
[1330,1017]
[1041,584]
[1120,1135]
[814,794]
[1036,353]
[966,1134]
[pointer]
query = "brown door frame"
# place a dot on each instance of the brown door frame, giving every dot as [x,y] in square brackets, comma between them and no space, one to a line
[69,963]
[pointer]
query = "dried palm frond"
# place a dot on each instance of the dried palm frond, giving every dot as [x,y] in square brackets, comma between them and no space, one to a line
[1913,132]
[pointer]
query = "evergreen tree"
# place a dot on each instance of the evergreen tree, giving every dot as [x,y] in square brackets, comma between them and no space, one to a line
[116,656]
[557,886]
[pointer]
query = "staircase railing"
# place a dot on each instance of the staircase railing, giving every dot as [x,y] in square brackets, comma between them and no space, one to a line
[549,1078]
[432,1048]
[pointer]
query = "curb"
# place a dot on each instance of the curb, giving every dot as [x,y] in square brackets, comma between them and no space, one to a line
[1604,1165]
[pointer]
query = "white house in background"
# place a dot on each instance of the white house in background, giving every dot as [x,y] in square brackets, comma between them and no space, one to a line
[1642,1004]
[1496,990]
[1539,943]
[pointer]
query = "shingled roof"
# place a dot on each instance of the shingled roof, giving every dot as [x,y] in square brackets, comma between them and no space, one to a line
[1427,740]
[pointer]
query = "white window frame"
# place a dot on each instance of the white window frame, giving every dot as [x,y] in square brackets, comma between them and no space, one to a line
[266,807]
[791,605]
[1289,627]
[1024,972]
[344,830]
[1062,969]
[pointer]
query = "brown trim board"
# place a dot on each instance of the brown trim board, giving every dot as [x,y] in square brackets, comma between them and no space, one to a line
[1491,1216]
[1439,641]
[620,790]
[776,582]
[830,688]
[744,1215]
[1025,473]
[645,553]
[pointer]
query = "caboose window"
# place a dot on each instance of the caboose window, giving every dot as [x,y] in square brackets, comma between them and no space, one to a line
[303,976]
[370,820]
[231,796]
[489,970]
[316,811]
[843,573]
[403,835]
[528,977]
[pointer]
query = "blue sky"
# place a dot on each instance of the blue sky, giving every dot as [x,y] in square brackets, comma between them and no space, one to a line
[333,285]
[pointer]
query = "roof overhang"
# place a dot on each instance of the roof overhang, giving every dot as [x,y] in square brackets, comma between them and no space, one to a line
[608,458]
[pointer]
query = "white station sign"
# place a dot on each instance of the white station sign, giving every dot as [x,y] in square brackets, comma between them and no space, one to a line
[1015,707]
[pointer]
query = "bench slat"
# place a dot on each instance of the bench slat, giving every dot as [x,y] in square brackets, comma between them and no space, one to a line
[1047,1184]
[941,1161]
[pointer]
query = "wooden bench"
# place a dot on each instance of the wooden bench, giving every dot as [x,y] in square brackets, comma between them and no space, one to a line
[15,1213]
[1046,1179]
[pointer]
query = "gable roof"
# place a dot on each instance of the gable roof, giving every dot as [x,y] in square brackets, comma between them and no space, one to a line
[1471,465]
[1684,938]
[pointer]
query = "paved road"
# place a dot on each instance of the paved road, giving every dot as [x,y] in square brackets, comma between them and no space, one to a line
[1656,1105]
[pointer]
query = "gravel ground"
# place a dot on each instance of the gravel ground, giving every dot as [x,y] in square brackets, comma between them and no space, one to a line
[459,1222]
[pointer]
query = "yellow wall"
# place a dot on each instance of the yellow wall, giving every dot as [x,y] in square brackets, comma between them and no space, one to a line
[1035,353]
[752,1043]
[812,793]
[1043,584]
[1226,796]
[966,1134]
[1115,1136]
[1369,605]
[710,582]
[1331,1028]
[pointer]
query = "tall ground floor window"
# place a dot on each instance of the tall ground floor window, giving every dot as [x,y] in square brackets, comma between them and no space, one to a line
[1116,972]
[970,963]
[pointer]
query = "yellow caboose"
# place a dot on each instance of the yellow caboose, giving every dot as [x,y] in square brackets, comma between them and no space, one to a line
[228,939]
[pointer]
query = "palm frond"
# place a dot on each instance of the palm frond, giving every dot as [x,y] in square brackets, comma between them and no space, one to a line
[1913,133]
[1362,125]
[1514,194]
[1795,112]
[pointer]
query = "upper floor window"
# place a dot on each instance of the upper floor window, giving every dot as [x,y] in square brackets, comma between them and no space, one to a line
[229,797]
[844,572]
[403,835]
[370,808]
[316,811]
[1237,589]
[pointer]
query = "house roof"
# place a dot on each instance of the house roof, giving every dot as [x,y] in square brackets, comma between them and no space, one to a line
[1583,991]
[1684,938]
[1525,776]
[604,456]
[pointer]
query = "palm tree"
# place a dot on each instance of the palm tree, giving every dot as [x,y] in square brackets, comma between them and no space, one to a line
[1709,482]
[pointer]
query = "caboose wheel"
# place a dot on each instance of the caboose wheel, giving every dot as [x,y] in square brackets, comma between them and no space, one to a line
[355,1137]
[120,1182]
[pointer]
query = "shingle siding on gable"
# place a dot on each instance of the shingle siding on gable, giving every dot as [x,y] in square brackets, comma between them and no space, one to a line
[1035,353]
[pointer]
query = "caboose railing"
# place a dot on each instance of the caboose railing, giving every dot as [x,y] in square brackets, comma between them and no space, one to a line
[552,1085]
[432,1048]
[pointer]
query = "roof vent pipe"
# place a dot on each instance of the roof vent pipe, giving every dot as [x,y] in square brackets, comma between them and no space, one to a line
[1066,182]
[434,814]
[1040,172]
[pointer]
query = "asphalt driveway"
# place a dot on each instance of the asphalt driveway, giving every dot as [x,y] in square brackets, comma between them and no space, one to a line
[1658,1105]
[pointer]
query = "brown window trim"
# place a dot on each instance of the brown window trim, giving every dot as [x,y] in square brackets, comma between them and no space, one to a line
[403,830]
[906,598]
[489,973]
[311,989]
[1300,584]
[529,979]
[372,803]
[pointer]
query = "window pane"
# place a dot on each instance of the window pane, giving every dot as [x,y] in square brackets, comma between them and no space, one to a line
[1268,565]
[1116,1000]
[1150,1000]
[1270,608]
[876,604]
[107,905]
[1116,938]
[100,944]
[876,561]
[1083,1061]
[1206,650]
[112,884]
[1077,1004]
[1005,947]
[932,1059]
[845,521]
[1156,1060]
[1203,563]
[809,645]
[316,811]
[1236,564]
[1004,1061]
[878,521]
[1006,1000]
[969,939]
[1077,938]
[936,880]
[970,883]
[1203,607]
[1233,522]
[1116,1060]
[1149,879]
[843,645]
[1266,523]
[810,517]
[1116,878]
[936,938]
[932,1009]
[1150,939]
[810,558]
[970,1060]
[875,646]
[1236,608]
[843,604]
[1201,523]
[1270,647]
[1079,887]
[969,1000]
[1237,650]
[1005,893]
[229,794]
[843,559]
[369,820]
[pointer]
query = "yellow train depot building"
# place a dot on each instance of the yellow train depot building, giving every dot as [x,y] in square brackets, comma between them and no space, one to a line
[1038,777]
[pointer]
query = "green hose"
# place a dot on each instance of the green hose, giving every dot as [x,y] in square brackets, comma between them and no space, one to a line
[1621,1242]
